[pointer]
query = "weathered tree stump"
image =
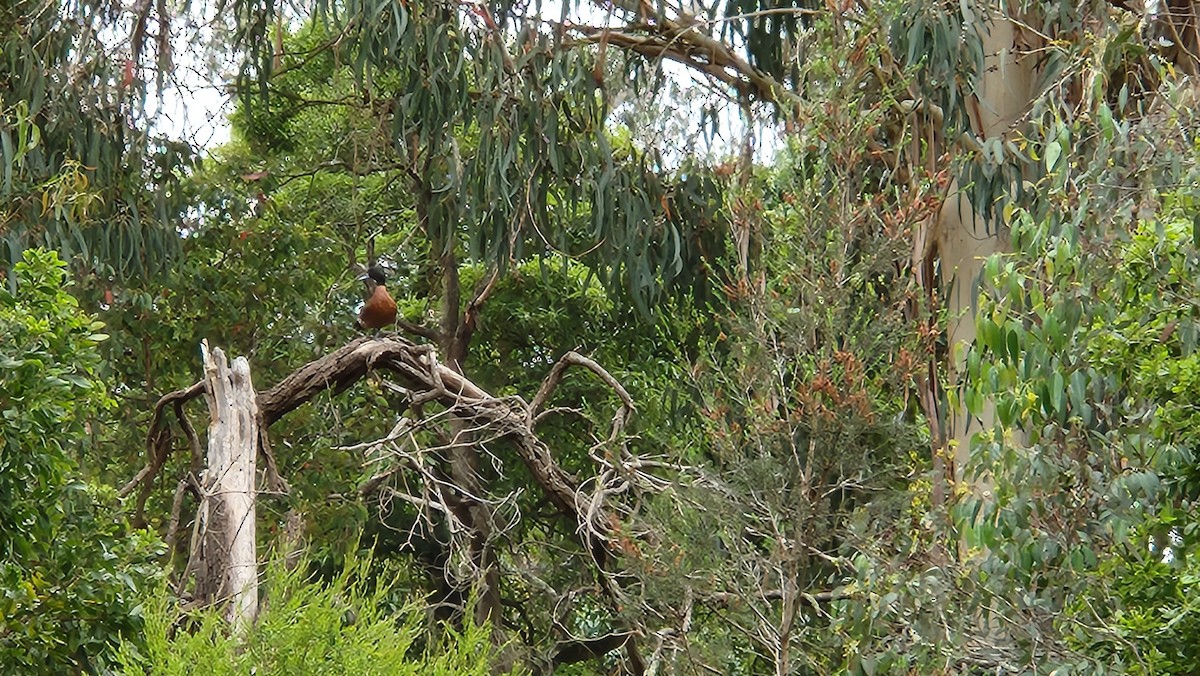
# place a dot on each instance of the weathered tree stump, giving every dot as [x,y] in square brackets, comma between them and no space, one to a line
[224,554]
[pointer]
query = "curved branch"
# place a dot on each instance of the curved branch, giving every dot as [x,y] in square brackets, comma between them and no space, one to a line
[555,377]
[157,455]
[192,437]
[581,650]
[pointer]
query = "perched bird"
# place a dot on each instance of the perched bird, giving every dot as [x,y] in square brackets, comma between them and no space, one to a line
[379,310]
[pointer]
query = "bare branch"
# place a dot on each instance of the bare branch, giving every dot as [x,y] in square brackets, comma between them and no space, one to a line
[483,291]
[420,502]
[813,598]
[344,367]
[552,380]
[583,649]
[563,410]
[417,329]
[185,484]
[157,457]
[193,439]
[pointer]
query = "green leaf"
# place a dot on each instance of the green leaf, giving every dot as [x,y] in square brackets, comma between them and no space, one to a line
[1014,344]
[1058,393]
[9,159]
[1053,152]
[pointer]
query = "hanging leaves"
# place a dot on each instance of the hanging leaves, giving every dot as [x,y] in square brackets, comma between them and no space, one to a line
[76,173]
[506,142]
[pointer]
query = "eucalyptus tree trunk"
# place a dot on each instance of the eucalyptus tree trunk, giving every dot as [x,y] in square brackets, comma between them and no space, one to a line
[959,240]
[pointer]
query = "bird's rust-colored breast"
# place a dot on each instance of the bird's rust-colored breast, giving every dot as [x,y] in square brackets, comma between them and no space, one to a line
[379,310]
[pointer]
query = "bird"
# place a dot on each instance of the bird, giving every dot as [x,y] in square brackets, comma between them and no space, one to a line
[379,310]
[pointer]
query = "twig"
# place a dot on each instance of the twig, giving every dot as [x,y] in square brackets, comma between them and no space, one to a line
[471,316]
[557,409]
[420,502]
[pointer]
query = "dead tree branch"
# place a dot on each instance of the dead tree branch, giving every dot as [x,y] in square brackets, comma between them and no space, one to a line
[555,377]
[419,372]
[156,422]
[188,484]
[190,433]
[415,368]
[158,443]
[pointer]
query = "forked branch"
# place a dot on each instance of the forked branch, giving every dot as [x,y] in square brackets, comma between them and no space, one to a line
[555,377]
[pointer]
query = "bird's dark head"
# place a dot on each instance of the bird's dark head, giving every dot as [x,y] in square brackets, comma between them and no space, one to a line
[375,274]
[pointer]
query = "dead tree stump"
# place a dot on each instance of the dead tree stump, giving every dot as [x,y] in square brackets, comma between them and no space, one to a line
[224,554]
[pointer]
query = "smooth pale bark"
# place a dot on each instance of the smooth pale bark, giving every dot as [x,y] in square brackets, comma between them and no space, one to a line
[1006,90]
[228,565]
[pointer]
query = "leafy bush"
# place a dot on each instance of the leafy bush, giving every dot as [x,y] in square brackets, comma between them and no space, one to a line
[70,570]
[1087,347]
[349,626]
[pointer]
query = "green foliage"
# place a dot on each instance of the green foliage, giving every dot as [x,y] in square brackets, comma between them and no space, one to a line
[1087,350]
[348,625]
[466,120]
[770,32]
[75,174]
[70,570]
[1150,337]
[943,47]
[1146,606]
[1148,344]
